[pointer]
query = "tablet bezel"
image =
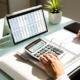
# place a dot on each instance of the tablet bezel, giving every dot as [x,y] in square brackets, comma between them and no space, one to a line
[25,12]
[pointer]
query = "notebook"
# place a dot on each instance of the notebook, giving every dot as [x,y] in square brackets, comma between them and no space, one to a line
[68,40]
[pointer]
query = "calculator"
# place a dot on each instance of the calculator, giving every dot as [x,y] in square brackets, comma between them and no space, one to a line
[41,46]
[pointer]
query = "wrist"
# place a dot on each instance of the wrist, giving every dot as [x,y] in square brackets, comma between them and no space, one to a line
[63,77]
[58,75]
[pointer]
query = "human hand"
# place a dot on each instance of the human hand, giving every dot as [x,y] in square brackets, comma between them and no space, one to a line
[52,65]
[79,33]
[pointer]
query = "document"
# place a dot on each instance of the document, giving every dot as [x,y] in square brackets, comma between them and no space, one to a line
[68,41]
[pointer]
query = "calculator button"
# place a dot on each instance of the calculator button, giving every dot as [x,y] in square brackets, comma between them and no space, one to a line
[38,55]
[61,51]
[48,45]
[42,48]
[48,49]
[38,52]
[44,51]
[45,46]
[58,52]
[48,52]
[52,46]
[41,53]
[52,49]
[54,54]
[35,54]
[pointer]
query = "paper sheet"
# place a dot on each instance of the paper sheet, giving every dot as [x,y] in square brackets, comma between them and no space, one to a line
[66,39]
[70,67]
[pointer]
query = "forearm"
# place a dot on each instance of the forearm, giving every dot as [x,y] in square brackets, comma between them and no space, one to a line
[63,77]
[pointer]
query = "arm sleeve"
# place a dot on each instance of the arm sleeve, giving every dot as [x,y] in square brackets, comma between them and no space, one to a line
[63,77]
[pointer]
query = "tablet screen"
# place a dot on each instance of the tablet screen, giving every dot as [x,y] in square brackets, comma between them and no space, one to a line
[27,24]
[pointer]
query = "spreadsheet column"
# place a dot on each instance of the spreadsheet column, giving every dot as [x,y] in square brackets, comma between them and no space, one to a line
[26,26]
[42,20]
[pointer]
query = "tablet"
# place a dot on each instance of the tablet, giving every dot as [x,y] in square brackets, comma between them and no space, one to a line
[27,24]
[73,27]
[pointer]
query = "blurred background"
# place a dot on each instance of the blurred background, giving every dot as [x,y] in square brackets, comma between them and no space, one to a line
[9,6]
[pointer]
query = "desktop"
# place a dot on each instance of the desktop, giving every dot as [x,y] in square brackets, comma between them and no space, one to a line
[24,43]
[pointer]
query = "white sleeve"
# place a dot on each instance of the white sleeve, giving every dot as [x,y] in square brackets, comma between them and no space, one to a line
[63,77]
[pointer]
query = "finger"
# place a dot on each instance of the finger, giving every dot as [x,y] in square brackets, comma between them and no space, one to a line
[42,64]
[48,57]
[52,56]
[59,59]
[43,59]
[79,30]
[78,33]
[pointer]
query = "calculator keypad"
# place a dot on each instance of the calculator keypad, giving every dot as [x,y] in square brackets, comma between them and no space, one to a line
[48,49]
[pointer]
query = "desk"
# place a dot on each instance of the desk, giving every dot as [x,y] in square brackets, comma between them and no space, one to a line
[5,52]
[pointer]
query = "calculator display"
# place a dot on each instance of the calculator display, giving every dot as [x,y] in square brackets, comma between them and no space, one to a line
[36,46]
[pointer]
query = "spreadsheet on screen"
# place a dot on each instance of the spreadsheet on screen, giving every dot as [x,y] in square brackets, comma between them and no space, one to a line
[27,25]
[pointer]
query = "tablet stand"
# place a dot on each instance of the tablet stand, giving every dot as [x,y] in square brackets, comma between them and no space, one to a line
[6,30]
[6,40]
